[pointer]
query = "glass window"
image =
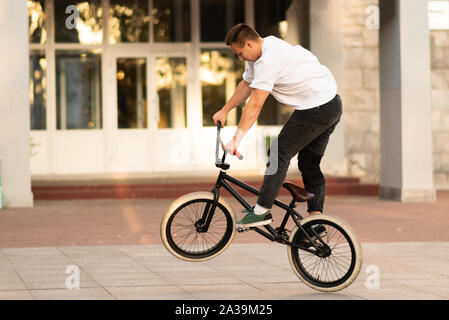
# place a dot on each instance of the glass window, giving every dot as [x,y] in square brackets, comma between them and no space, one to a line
[220,73]
[37,90]
[171,82]
[286,19]
[132,93]
[36,21]
[171,20]
[78,90]
[218,16]
[78,21]
[128,21]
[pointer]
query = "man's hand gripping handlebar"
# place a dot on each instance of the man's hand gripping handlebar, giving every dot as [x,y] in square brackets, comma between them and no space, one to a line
[234,152]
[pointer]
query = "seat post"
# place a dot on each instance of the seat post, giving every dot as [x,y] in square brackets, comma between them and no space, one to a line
[292,204]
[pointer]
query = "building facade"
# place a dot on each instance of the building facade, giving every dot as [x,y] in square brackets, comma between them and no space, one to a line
[361,87]
[130,86]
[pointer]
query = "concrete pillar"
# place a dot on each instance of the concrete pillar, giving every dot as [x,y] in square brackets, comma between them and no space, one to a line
[14,104]
[326,43]
[405,113]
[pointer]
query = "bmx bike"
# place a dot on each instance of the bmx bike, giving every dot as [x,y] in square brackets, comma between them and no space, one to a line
[323,250]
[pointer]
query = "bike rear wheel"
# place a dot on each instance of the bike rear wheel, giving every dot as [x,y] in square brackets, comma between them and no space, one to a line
[182,237]
[330,270]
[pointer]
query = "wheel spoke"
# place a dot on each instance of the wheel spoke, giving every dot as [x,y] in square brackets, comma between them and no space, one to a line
[185,237]
[326,271]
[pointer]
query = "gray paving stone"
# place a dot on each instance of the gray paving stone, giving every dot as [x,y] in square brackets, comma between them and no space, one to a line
[390,271]
[54,284]
[203,278]
[133,282]
[6,267]
[435,249]
[244,271]
[129,279]
[395,293]
[12,283]
[227,292]
[185,268]
[433,265]
[110,273]
[150,293]
[435,286]
[31,251]
[35,255]
[144,250]
[72,294]
[59,283]
[111,268]
[273,277]
[240,261]
[8,273]
[299,291]
[16,295]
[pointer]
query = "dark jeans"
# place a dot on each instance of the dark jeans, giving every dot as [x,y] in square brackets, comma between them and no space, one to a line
[307,134]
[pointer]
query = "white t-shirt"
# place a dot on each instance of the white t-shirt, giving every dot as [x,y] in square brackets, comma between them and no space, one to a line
[292,74]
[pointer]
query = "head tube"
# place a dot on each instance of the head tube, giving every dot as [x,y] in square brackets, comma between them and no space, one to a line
[220,163]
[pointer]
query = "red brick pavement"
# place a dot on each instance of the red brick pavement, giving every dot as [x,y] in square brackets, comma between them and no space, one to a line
[136,221]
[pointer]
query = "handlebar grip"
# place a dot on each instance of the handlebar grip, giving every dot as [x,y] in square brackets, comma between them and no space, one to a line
[238,155]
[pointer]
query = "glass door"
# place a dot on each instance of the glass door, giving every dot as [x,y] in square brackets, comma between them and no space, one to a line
[131,93]
[170,91]
[131,129]
[149,117]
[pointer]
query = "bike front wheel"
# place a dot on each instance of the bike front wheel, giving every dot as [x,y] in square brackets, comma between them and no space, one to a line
[182,237]
[337,265]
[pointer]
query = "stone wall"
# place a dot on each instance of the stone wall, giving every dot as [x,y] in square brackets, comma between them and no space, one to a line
[439,41]
[361,96]
[361,91]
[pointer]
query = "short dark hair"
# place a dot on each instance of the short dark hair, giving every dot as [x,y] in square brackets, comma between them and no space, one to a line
[239,33]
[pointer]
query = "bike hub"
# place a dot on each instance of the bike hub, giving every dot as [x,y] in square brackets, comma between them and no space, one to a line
[323,252]
[200,227]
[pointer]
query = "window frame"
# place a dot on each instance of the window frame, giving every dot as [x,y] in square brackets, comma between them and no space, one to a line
[192,51]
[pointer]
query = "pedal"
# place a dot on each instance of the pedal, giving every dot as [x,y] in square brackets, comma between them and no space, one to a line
[241,230]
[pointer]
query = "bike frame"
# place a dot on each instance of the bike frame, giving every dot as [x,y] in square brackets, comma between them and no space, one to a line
[224,181]
[277,234]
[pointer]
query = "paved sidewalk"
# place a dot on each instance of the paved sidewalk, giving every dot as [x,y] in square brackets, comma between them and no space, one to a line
[116,246]
[244,271]
[137,221]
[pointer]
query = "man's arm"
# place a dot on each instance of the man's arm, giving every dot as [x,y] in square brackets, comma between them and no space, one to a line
[252,109]
[249,116]
[242,92]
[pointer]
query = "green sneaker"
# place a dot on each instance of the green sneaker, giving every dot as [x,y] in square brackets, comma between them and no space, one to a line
[254,220]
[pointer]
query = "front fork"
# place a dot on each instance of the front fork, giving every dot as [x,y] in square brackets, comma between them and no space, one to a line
[202,225]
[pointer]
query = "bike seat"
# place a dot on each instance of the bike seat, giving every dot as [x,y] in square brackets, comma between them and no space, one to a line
[298,193]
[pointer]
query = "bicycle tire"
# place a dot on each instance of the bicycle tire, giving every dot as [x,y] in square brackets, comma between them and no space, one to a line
[316,271]
[193,204]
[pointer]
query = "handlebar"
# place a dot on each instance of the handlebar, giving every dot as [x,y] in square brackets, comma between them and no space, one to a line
[220,142]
